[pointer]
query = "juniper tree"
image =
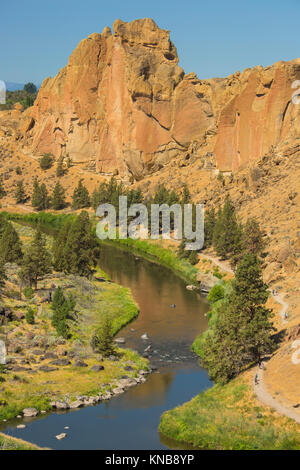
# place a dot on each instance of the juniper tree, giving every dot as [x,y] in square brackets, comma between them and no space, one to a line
[2,190]
[81,198]
[37,260]
[46,161]
[20,193]
[3,276]
[226,231]
[10,245]
[29,316]
[242,332]
[60,170]
[254,239]
[63,310]
[58,200]
[40,199]
[81,250]
[103,339]
[186,195]
[209,226]
[60,259]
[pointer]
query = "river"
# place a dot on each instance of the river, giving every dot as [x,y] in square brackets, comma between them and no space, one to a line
[131,420]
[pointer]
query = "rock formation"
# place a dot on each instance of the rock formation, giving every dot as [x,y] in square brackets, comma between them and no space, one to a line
[123,104]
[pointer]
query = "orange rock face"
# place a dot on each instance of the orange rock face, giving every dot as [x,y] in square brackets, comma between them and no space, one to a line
[259,117]
[123,103]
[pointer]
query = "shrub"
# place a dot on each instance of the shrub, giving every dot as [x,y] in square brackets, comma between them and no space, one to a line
[46,161]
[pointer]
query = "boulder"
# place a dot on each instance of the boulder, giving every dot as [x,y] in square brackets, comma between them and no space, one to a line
[80,363]
[30,412]
[97,368]
[48,369]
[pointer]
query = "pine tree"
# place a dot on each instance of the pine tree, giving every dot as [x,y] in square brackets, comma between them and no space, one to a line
[254,239]
[186,195]
[242,331]
[103,340]
[60,260]
[182,253]
[29,316]
[81,198]
[45,199]
[36,196]
[20,194]
[193,257]
[81,252]
[2,190]
[209,226]
[226,231]
[60,170]
[40,199]
[3,276]
[46,161]
[63,310]
[3,223]
[10,245]
[58,200]
[37,260]
[100,196]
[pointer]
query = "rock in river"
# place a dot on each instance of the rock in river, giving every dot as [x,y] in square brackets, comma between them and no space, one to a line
[30,412]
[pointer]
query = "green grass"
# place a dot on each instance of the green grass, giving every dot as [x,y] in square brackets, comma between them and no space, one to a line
[229,418]
[11,443]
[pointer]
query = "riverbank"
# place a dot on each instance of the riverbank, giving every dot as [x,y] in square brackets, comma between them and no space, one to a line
[45,371]
[230,418]
[12,443]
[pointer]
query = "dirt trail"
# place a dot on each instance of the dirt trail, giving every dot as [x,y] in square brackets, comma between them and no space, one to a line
[260,390]
[221,264]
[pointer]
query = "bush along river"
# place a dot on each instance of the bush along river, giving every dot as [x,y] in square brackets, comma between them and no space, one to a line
[170,319]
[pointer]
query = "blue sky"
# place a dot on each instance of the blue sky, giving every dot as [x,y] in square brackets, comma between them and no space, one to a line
[213,38]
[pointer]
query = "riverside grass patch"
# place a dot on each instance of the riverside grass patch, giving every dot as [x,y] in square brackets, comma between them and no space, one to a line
[229,418]
[11,443]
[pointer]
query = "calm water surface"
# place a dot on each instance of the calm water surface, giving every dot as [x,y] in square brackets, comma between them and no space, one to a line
[130,421]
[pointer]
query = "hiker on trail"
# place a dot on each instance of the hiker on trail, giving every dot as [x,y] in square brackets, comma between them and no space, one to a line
[256,379]
[285,315]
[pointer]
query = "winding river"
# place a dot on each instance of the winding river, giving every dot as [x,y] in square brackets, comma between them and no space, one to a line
[131,420]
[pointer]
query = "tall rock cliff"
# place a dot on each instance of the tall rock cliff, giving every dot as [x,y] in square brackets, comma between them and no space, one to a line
[123,103]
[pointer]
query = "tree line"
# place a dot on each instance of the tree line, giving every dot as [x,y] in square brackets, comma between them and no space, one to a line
[230,238]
